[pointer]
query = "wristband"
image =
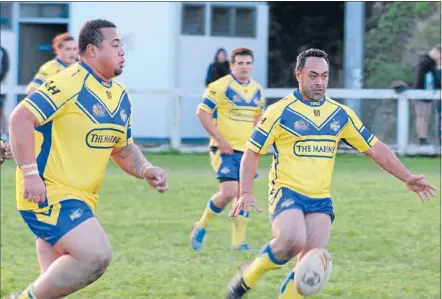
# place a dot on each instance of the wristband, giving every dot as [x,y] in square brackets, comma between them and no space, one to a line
[32,172]
[27,166]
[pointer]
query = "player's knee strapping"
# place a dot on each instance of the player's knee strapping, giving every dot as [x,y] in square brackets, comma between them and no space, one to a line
[265,262]
[288,290]
[209,213]
[239,229]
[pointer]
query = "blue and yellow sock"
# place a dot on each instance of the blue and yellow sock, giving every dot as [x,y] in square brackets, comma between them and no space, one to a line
[265,262]
[288,289]
[27,294]
[239,229]
[209,214]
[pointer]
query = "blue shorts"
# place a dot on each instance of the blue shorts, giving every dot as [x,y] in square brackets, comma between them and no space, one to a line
[225,166]
[285,199]
[53,222]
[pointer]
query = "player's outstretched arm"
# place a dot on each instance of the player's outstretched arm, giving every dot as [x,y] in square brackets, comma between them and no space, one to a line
[130,159]
[249,165]
[386,158]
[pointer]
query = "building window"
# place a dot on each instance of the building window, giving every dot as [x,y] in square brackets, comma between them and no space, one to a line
[5,15]
[37,10]
[221,21]
[245,20]
[193,19]
[233,21]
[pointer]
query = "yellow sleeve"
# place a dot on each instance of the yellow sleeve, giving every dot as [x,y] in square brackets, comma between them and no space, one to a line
[211,98]
[47,102]
[356,134]
[40,77]
[266,131]
[128,139]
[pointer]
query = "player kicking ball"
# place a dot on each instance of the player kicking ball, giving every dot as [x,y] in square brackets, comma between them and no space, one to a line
[237,101]
[62,137]
[305,128]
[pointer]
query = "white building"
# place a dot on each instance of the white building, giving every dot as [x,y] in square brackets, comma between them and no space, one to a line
[168,46]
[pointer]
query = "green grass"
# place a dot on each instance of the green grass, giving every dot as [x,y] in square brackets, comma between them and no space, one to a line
[385,243]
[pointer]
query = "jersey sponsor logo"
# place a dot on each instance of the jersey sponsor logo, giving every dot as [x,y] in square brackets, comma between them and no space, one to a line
[317,148]
[103,138]
[242,115]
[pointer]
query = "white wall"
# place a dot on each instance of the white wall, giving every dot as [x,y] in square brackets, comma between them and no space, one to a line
[197,52]
[157,57]
[150,59]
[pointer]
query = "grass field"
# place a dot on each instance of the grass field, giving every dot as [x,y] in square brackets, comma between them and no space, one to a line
[385,242]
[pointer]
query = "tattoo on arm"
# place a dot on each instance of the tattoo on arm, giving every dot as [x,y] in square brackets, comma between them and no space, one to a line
[135,156]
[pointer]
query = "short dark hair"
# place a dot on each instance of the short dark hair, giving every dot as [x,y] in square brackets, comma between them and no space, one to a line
[300,60]
[90,33]
[240,52]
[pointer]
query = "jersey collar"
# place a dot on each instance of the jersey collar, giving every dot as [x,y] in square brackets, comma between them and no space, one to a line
[240,83]
[298,95]
[91,71]
[61,62]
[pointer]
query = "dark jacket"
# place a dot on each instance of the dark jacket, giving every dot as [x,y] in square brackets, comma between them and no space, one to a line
[217,70]
[4,63]
[426,64]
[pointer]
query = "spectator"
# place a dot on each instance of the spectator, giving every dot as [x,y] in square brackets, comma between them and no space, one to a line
[219,68]
[426,75]
[4,68]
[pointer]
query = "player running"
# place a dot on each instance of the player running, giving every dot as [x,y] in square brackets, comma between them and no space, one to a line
[235,101]
[76,121]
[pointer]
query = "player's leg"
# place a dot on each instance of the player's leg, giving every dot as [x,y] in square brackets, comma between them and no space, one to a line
[239,223]
[46,255]
[318,233]
[319,216]
[84,249]
[289,238]
[87,254]
[228,185]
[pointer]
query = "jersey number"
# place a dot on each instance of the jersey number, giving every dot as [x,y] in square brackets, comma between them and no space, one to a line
[51,87]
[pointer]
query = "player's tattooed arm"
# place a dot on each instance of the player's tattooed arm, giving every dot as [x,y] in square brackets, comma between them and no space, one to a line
[131,160]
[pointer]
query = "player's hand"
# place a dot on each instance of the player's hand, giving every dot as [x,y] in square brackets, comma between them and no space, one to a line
[243,203]
[34,189]
[225,147]
[157,178]
[424,190]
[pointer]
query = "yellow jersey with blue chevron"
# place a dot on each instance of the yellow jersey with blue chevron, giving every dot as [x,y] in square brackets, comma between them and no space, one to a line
[305,137]
[236,105]
[82,119]
[47,70]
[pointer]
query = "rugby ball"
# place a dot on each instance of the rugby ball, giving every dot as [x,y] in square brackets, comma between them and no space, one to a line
[313,271]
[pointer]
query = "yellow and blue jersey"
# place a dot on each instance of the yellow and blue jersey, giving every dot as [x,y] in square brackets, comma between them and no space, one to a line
[305,137]
[235,106]
[82,119]
[47,70]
